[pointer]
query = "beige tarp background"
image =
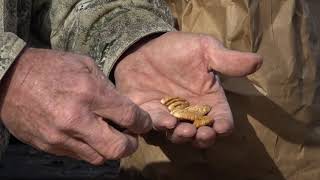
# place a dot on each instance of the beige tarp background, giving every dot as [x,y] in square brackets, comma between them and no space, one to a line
[276,110]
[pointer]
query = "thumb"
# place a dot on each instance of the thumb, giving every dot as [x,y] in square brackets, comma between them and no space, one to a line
[233,63]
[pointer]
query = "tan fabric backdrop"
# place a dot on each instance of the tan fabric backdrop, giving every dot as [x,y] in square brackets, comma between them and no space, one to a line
[276,110]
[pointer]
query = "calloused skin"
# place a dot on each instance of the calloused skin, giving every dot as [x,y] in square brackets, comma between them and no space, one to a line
[184,65]
[58,102]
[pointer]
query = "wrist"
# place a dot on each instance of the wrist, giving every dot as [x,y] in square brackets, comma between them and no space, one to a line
[12,80]
[5,81]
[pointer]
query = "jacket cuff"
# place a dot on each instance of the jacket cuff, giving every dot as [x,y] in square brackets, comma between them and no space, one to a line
[10,47]
[105,31]
[139,28]
[123,32]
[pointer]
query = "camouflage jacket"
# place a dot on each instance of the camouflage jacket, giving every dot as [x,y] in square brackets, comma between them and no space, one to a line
[102,29]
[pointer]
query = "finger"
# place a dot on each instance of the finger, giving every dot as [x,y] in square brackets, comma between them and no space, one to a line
[205,137]
[71,148]
[107,141]
[223,120]
[109,104]
[184,132]
[41,146]
[221,112]
[160,116]
[82,151]
[232,63]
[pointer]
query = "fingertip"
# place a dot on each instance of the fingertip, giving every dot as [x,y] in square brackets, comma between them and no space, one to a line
[223,127]
[257,62]
[137,121]
[206,134]
[185,130]
[248,62]
[97,161]
[165,123]
[109,142]
[205,137]
[234,63]
[132,144]
[124,146]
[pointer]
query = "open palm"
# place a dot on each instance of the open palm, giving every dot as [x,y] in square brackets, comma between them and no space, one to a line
[184,65]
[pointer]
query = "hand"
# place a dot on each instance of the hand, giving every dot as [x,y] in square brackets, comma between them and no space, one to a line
[57,102]
[184,65]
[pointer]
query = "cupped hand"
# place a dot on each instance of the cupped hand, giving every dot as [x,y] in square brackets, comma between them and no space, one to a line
[184,65]
[59,102]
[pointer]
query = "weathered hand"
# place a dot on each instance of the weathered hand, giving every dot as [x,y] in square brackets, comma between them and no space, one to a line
[184,65]
[58,102]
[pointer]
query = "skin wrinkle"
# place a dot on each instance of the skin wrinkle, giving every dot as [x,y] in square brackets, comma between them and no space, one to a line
[158,71]
[91,102]
[57,106]
[26,76]
[137,97]
[23,108]
[144,75]
[173,81]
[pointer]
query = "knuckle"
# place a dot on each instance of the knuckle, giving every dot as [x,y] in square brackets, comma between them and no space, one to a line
[55,139]
[118,149]
[86,59]
[85,86]
[208,42]
[42,145]
[98,160]
[45,147]
[66,124]
[89,61]
[69,120]
[225,128]
[129,116]
[204,42]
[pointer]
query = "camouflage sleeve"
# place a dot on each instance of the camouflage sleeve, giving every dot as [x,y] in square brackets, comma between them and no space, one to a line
[103,29]
[10,47]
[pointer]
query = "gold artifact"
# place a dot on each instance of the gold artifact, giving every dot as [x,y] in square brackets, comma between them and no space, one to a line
[182,110]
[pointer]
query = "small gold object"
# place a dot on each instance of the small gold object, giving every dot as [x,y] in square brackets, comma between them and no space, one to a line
[182,110]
